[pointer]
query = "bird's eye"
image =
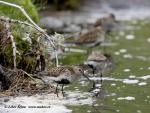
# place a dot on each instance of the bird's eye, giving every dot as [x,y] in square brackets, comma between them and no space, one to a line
[80,70]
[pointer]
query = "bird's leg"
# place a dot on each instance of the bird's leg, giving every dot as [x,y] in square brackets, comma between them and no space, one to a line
[62,89]
[101,75]
[93,80]
[93,84]
[93,71]
[104,49]
[89,50]
[56,91]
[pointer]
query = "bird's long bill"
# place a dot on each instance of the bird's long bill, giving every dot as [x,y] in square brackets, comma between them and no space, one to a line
[89,80]
[86,76]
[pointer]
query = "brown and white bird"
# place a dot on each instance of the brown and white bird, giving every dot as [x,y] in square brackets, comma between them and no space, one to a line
[91,38]
[109,23]
[100,63]
[62,75]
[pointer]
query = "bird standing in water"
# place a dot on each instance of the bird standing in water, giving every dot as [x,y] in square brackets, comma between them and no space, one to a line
[109,23]
[91,38]
[63,75]
[100,63]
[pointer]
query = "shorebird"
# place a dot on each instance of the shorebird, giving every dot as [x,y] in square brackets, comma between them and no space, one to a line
[87,70]
[108,23]
[100,63]
[91,38]
[63,75]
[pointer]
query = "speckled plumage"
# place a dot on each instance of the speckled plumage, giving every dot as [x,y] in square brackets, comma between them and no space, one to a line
[93,35]
[57,71]
[96,56]
[62,75]
[100,63]
[108,23]
[90,38]
[56,74]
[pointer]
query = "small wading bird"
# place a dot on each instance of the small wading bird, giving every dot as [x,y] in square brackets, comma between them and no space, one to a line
[108,23]
[91,38]
[62,75]
[100,63]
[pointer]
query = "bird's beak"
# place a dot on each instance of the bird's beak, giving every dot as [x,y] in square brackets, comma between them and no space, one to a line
[89,79]
[85,76]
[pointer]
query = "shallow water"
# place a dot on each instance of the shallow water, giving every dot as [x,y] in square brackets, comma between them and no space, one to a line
[126,89]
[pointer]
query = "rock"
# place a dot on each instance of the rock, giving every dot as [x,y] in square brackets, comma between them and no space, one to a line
[72,28]
[52,23]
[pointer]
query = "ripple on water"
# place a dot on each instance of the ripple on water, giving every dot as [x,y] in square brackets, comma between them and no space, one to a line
[126,98]
[148,68]
[132,79]
[118,110]
[142,83]
[128,81]
[145,77]
[117,53]
[130,37]
[139,111]
[98,85]
[148,40]
[126,70]
[123,50]
[88,111]
[132,76]
[128,56]
[113,84]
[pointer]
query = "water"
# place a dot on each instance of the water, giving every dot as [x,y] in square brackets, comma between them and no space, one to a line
[126,89]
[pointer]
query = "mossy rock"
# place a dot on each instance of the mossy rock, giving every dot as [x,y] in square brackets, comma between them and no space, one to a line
[15,13]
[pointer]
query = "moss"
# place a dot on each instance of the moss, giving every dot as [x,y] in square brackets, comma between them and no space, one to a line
[16,13]
[25,60]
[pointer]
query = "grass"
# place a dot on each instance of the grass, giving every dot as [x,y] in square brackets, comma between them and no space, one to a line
[15,13]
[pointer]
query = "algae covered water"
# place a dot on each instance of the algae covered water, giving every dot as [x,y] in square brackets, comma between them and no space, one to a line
[126,89]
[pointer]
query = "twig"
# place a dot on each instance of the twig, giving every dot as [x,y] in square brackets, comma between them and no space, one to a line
[56,56]
[34,24]
[14,50]
[30,75]
[30,20]
[17,22]
[24,12]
